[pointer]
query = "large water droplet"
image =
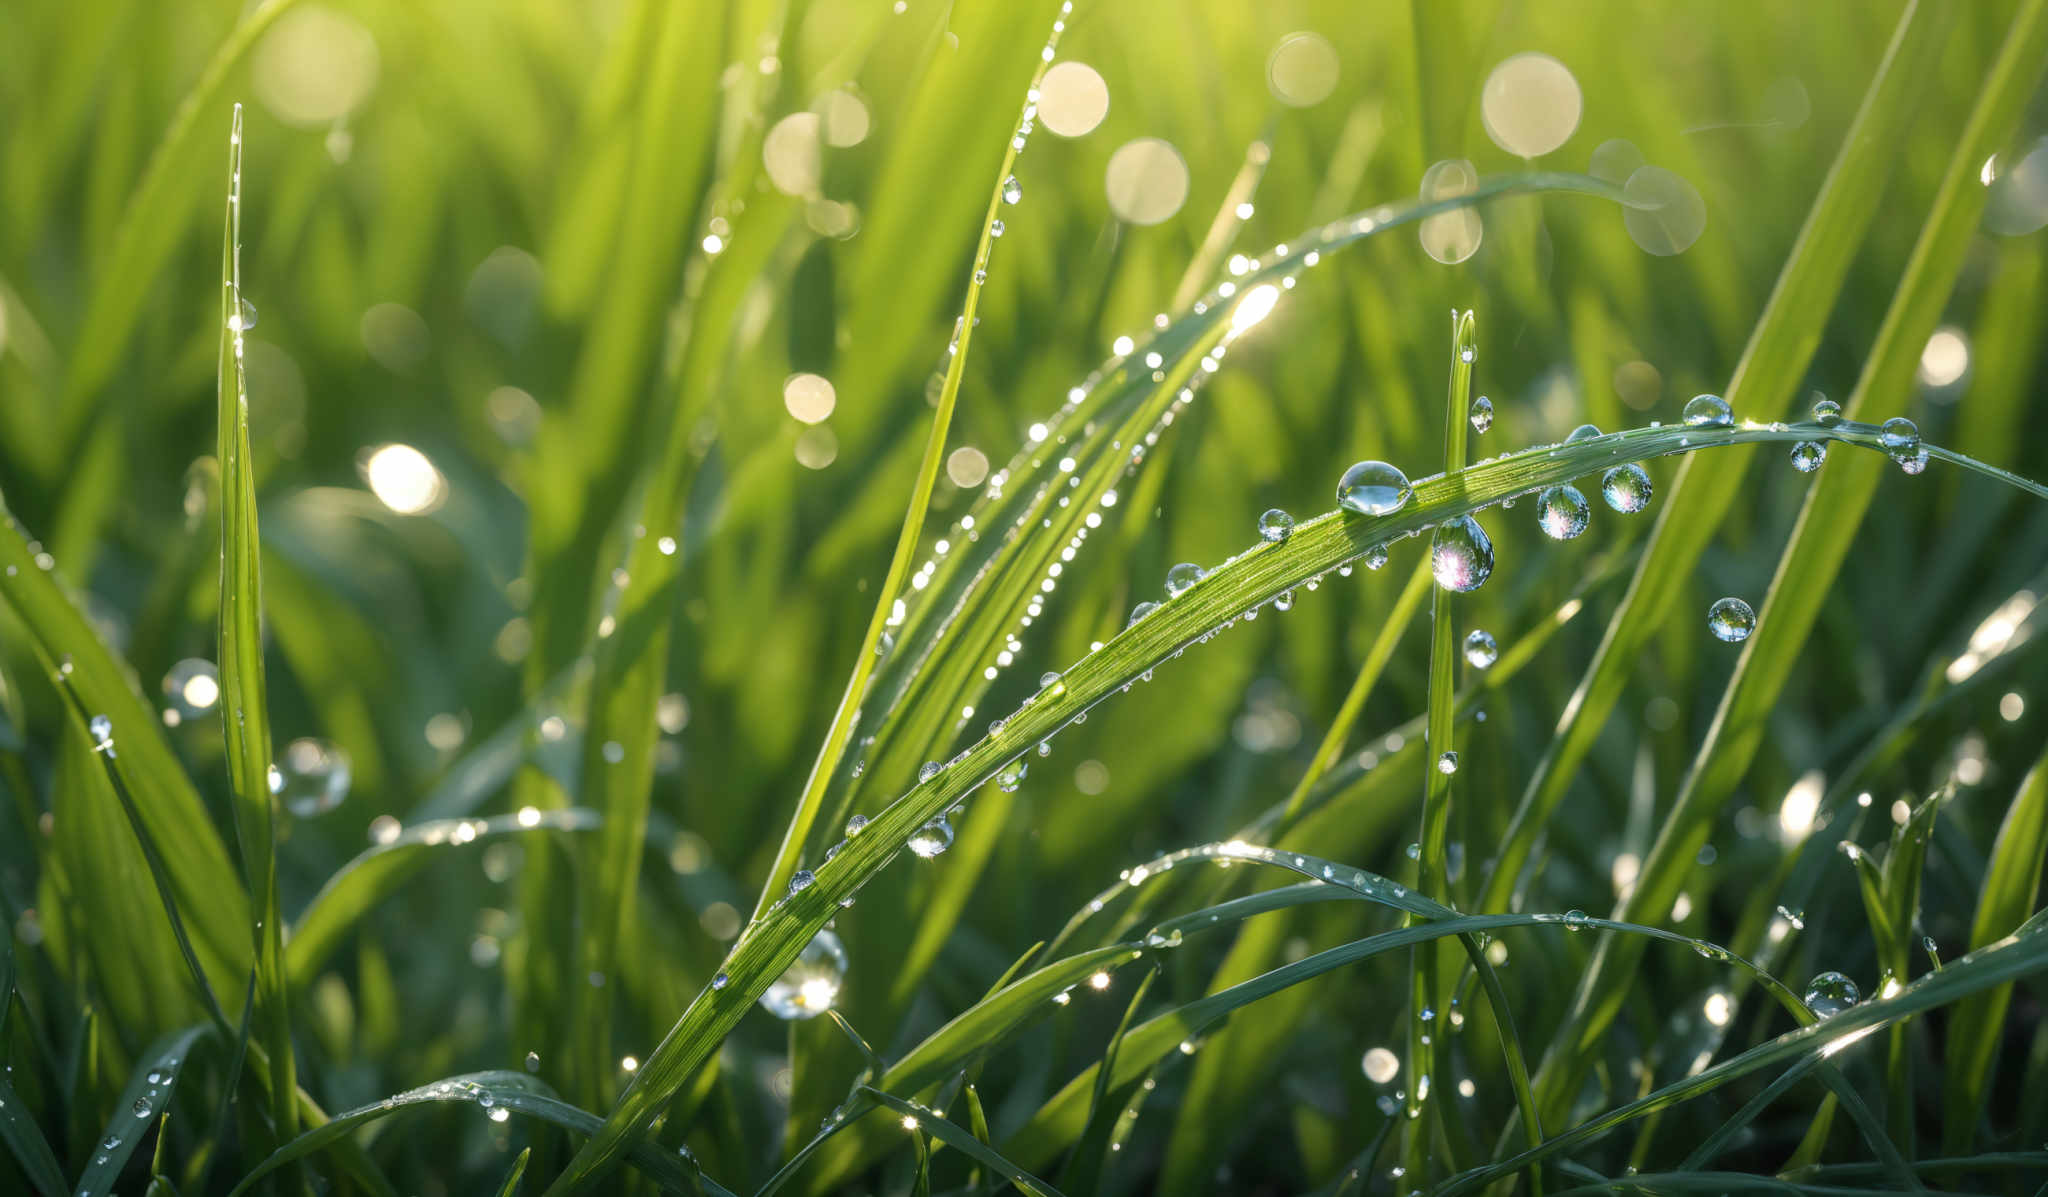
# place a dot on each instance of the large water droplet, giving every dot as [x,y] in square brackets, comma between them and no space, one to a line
[1575,920]
[1012,776]
[1182,576]
[1447,764]
[1375,557]
[932,838]
[102,729]
[1141,611]
[1461,555]
[856,825]
[1731,619]
[810,985]
[1012,190]
[1708,411]
[928,770]
[801,880]
[1900,437]
[1626,488]
[1914,462]
[1807,456]
[1827,413]
[312,777]
[1480,648]
[1561,511]
[1584,432]
[1373,488]
[1831,993]
[1276,526]
[143,1107]
[1481,414]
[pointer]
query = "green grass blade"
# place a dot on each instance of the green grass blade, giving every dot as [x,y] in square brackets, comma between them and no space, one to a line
[145,1101]
[2006,899]
[244,710]
[1819,545]
[25,1139]
[513,1092]
[952,1136]
[517,1173]
[378,871]
[1090,1156]
[1765,378]
[834,749]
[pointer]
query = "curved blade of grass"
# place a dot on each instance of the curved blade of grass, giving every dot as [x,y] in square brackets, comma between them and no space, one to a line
[834,749]
[1780,346]
[1213,604]
[1819,545]
[144,1100]
[2011,880]
[952,1136]
[1083,1172]
[377,872]
[518,1171]
[516,1092]
[2017,955]
[25,1139]
[1426,988]
[244,713]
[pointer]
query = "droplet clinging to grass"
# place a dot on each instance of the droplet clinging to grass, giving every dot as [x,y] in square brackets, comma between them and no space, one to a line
[1481,650]
[1626,488]
[1182,576]
[1731,620]
[1275,526]
[1481,414]
[1708,411]
[933,838]
[1461,555]
[810,985]
[1562,512]
[1831,993]
[1373,488]
[1807,456]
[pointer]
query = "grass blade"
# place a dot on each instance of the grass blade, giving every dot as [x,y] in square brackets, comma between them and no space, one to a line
[2005,901]
[917,1117]
[25,1140]
[244,709]
[146,1100]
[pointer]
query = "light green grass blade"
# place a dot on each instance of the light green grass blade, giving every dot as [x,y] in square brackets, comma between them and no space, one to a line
[145,1101]
[1820,544]
[244,709]
[513,1092]
[378,871]
[1779,348]
[517,1173]
[2005,901]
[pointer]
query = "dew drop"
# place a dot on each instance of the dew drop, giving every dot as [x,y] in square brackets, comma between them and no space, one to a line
[312,777]
[143,1107]
[1831,993]
[1375,557]
[928,770]
[1182,576]
[1561,511]
[1447,764]
[1141,611]
[1481,414]
[1708,411]
[801,880]
[810,985]
[1575,920]
[856,825]
[1807,456]
[1011,776]
[533,1061]
[1276,526]
[1584,432]
[1731,620]
[932,838]
[1461,555]
[720,981]
[1900,437]
[1012,190]
[1373,488]
[995,228]
[1914,462]
[102,729]
[1284,601]
[1481,651]
[1626,488]
[1827,413]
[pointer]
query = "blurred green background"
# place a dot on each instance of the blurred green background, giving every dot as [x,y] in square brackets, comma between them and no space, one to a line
[519,240]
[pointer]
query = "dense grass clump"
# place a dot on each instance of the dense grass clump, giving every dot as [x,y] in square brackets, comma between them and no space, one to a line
[673,662]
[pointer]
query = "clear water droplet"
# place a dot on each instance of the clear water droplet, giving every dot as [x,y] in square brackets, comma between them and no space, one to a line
[1709,411]
[1011,776]
[533,1062]
[1461,555]
[1626,488]
[932,838]
[1447,764]
[143,1107]
[1481,414]
[801,880]
[1376,556]
[995,228]
[1562,512]
[1284,601]
[1373,488]
[1182,576]
[1807,456]
[1731,620]
[1276,526]
[500,1114]
[1012,190]
[1900,437]
[1827,413]
[720,981]
[810,985]
[1481,651]
[1414,851]
[1575,920]
[1914,462]
[312,777]
[102,729]
[856,825]
[1141,611]
[1831,993]
[928,770]
[1584,432]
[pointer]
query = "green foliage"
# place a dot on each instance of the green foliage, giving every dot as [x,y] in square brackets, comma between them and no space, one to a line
[676,468]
